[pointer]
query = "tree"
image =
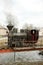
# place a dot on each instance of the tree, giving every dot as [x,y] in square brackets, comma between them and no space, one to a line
[27,26]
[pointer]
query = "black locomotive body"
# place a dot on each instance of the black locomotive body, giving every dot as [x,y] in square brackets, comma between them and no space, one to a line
[25,38]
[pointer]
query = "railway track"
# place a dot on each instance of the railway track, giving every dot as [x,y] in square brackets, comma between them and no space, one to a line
[6,50]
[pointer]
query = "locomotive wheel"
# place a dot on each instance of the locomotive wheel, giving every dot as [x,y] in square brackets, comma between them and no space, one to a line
[19,44]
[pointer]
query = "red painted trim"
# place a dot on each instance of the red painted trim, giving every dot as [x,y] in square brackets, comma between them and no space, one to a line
[20,49]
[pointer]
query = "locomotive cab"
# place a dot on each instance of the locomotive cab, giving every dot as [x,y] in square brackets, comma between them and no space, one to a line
[35,35]
[32,36]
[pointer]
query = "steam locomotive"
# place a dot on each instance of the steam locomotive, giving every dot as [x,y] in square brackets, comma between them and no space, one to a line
[25,38]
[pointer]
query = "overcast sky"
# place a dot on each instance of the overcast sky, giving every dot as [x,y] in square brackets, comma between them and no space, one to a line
[26,11]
